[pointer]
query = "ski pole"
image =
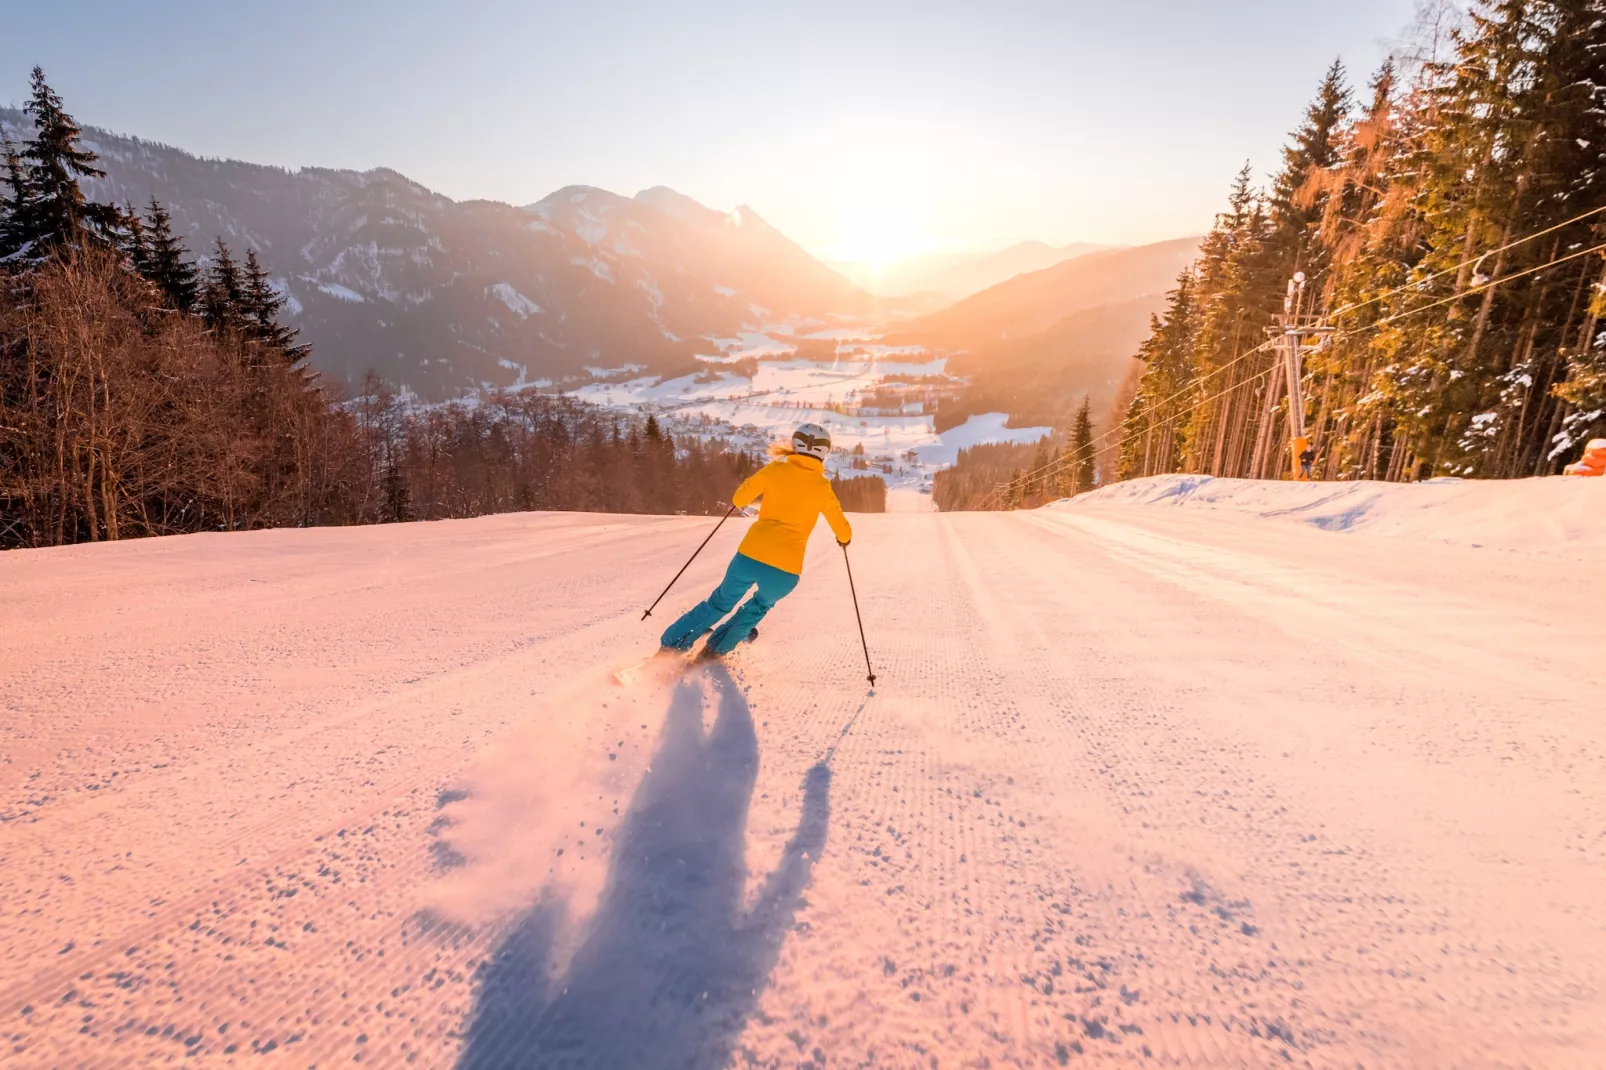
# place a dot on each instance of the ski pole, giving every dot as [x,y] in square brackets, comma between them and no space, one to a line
[856,615]
[689,560]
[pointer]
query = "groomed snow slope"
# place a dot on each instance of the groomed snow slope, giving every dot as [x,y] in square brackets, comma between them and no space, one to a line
[1522,514]
[1138,782]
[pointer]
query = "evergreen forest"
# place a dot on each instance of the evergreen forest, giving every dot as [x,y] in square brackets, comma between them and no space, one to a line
[1447,225]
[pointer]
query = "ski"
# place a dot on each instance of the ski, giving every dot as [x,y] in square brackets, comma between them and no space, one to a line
[634,671]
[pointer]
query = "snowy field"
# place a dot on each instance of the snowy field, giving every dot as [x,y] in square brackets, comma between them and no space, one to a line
[1191,785]
[787,390]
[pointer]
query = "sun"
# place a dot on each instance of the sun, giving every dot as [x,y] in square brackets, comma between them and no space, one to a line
[879,197]
[879,223]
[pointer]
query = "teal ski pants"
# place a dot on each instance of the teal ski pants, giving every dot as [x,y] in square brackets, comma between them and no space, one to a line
[741,576]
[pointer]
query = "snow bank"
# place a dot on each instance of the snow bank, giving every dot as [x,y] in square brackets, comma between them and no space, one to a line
[1519,514]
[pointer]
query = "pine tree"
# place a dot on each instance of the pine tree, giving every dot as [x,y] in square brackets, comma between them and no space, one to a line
[656,458]
[223,297]
[55,214]
[1160,414]
[398,500]
[1237,276]
[1036,485]
[1317,146]
[1082,466]
[134,243]
[1012,492]
[1064,477]
[261,304]
[170,267]
[13,203]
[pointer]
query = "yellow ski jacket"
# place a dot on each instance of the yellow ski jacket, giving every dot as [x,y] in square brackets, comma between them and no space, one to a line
[795,492]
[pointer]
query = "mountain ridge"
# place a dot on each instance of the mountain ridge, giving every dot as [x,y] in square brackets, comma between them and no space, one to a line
[956,276]
[442,297]
[1036,345]
[1030,303]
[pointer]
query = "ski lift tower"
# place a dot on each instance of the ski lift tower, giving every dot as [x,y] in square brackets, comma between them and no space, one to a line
[1300,331]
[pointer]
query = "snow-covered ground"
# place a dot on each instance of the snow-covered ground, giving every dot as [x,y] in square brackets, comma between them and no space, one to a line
[1551,515]
[1138,782]
[786,390]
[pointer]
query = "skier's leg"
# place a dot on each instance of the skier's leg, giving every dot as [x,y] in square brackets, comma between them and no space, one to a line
[701,617]
[774,584]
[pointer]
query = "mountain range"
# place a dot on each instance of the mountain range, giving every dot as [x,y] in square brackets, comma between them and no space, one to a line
[952,276]
[442,296]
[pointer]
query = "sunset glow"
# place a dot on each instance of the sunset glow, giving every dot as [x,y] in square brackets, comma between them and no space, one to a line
[879,222]
[696,536]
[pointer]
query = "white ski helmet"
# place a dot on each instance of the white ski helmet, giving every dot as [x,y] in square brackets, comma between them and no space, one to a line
[812,440]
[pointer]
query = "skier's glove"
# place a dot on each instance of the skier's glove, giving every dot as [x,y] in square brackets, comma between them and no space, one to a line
[842,544]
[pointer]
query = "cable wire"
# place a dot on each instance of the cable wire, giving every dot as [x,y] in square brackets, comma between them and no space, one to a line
[1059,463]
[1416,283]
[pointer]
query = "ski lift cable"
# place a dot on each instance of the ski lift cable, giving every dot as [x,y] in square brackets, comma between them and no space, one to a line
[1002,487]
[1470,260]
[1490,284]
[1059,462]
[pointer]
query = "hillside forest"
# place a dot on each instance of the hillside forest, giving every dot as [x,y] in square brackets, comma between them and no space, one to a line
[1449,222]
[1451,228]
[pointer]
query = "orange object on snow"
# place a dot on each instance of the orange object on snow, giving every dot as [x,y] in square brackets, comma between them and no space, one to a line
[1592,463]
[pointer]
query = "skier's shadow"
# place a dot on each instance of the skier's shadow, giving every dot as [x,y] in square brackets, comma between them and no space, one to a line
[671,967]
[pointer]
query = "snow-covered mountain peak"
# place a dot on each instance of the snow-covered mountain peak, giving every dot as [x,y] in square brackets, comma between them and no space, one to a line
[575,198]
[679,206]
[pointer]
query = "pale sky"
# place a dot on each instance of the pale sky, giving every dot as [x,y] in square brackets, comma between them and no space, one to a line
[863,130]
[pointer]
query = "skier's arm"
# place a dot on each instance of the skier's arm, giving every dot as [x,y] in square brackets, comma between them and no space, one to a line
[751,488]
[833,516]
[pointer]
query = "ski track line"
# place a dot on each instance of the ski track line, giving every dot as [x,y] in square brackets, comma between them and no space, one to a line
[578,643]
[1546,751]
[1101,928]
[1109,803]
[160,879]
[91,806]
[478,658]
[1543,955]
[1257,585]
[213,615]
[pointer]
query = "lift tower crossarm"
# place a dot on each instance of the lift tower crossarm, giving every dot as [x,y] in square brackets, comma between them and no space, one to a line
[1295,325]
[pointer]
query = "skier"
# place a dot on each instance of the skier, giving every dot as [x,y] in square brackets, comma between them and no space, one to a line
[794,492]
[1307,457]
